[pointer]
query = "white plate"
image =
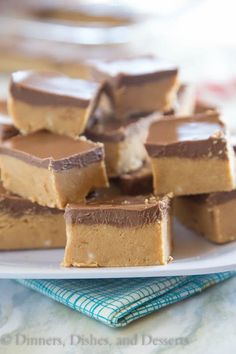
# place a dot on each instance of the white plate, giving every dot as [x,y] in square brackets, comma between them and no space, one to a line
[192,255]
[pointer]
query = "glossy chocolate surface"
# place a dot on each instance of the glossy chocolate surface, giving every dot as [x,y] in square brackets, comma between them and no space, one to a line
[193,137]
[57,152]
[46,88]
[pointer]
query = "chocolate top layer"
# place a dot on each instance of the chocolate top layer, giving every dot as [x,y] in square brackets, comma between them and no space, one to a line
[52,151]
[212,198]
[45,88]
[132,71]
[197,136]
[119,212]
[17,206]
[114,130]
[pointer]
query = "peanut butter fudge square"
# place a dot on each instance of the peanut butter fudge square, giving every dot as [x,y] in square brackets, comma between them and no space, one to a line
[51,169]
[123,142]
[132,231]
[211,215]
[191,155]
[141,85]
[54,102]
[27,225]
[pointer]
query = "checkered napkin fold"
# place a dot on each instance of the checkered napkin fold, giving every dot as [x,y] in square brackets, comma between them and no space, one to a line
[117,302]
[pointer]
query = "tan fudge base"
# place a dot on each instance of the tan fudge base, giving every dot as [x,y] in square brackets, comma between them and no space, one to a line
[32,231]
[110,246]
[64,120]
[183,176]
[148,97]
[216,223]
[50,188]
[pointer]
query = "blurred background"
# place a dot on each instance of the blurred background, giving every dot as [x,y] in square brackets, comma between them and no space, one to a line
[63,35]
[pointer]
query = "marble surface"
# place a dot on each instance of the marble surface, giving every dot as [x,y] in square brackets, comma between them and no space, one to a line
[32,323]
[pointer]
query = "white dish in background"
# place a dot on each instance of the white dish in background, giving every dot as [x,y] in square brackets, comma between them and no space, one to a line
[192,255]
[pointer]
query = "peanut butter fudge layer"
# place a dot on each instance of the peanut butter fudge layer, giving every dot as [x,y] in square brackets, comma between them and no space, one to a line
[54,102]
[211,215]
[137,182]
[141,85]
[123,142]
[132,231]
[51,169]
[27,225]
[191,155]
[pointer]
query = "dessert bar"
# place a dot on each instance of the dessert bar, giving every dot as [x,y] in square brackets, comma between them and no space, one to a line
[191,155]
[141,85]
[51,169]
[54,102]
[128,231]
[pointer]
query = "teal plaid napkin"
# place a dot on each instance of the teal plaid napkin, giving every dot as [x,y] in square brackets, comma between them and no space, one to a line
[117,302]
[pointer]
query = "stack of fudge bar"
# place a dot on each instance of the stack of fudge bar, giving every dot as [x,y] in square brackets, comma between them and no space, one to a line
[99,166]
